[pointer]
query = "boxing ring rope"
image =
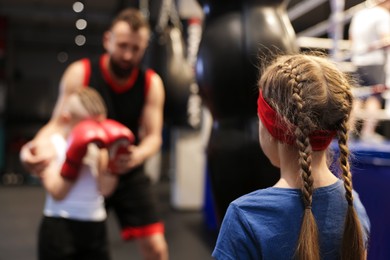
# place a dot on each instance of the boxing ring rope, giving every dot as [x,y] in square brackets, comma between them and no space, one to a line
[334,25]
[302,8]
[346,66]
[323,26]
[339,49]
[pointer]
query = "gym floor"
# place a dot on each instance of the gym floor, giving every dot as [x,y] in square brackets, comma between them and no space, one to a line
[20,213]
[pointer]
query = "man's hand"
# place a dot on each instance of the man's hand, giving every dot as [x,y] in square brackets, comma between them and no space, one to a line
[119,138]
[128,161]
[34,159]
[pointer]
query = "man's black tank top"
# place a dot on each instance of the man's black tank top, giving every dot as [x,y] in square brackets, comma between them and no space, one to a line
[124,103]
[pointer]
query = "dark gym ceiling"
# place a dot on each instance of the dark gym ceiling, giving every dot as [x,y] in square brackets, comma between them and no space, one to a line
[52,22]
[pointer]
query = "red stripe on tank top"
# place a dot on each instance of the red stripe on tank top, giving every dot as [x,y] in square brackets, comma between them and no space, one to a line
[148,79]
[87,71]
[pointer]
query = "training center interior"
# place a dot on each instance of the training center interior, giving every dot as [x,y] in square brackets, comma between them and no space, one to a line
[208,58]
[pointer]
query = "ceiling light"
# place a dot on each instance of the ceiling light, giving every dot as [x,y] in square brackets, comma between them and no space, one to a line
[78,7]
[80,40]
[81,24]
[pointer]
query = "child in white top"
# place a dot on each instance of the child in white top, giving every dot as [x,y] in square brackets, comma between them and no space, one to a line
[74,213]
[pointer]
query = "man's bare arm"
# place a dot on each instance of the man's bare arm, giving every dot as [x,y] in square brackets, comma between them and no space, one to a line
[30,157]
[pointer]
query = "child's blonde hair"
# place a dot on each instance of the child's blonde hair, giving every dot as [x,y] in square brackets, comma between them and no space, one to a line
[92,104]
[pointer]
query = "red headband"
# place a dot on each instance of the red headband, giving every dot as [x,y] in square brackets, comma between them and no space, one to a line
[283,131]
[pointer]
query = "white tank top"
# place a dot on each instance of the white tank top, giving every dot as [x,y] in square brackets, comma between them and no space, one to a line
[84,201]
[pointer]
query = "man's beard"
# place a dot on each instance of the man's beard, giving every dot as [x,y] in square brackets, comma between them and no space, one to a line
[120,72]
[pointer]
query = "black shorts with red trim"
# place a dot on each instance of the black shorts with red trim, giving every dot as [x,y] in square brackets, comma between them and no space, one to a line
[135,205]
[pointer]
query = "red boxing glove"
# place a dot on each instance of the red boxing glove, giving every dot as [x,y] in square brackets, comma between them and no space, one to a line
[84,133]
[119,138]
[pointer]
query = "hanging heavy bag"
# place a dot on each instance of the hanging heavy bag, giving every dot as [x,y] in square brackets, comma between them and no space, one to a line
[166,55]
[234,34]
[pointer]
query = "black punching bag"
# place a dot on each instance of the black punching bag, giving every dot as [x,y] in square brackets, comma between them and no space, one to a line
[166,55]
[235,34]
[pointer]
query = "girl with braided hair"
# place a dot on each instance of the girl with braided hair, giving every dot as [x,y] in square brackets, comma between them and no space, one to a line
[304,103]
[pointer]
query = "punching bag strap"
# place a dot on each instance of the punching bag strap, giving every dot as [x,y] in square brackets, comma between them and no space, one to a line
[144,8]
[168,13]
[175,18]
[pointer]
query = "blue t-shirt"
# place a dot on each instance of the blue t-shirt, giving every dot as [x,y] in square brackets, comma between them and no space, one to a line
[265,224]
